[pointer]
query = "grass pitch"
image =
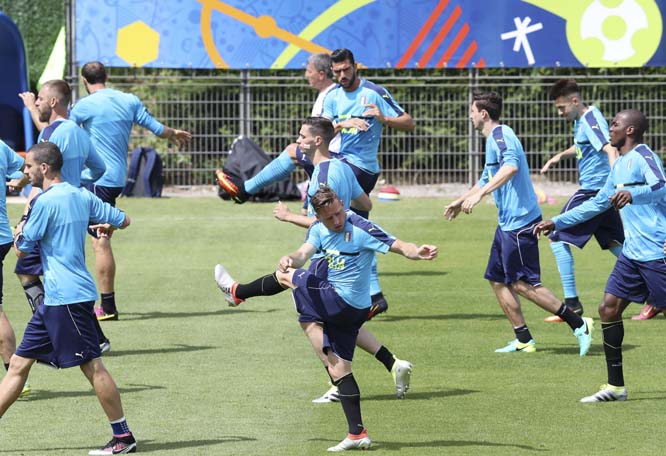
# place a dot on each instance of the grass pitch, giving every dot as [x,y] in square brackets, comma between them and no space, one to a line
[200,378]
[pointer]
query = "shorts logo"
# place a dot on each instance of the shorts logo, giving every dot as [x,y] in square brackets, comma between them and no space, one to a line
[80,355]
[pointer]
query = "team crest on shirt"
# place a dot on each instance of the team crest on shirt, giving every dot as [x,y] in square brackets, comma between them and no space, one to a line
[348,236]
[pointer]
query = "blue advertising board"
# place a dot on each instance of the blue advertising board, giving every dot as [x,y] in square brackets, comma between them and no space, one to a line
[381,33]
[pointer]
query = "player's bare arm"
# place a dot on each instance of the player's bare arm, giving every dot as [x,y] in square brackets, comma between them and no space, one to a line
[570,152]
[413,252]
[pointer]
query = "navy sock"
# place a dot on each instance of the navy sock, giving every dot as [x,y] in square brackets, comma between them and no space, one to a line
[120,427]
[613,336]
[267,285]
[385,357]
[108,302]
[350,398]
[574,320]
[523,334]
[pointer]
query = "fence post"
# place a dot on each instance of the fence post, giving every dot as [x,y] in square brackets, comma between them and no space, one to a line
[245,111]
[71,72]
[473,137]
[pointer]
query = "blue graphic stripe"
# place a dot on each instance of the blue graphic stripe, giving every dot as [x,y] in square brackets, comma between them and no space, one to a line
[649,157]
[48,131]
[498,136]
[385,95]
[370,228]
[594,125]
[322,177]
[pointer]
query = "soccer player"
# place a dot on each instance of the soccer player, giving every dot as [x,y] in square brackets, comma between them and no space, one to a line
[358,109]
[314,137]
[332,310]
[10,166]
[62,330]
[594,156]
[108,116]
[636,187]
[81,164]
[513,267]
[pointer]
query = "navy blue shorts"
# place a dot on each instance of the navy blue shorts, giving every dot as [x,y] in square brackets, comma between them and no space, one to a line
[31,264]
[106,194]
[639,281]
[63,336]
[317,301]
[605,227]
[514,256]
[4,249]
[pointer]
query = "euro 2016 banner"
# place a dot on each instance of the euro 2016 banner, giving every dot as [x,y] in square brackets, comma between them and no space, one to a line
[381,33]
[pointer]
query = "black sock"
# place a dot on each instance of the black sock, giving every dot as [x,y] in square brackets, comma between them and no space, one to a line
[385,357]
[574,320]
[572,302]
[34,291]
[108,302]
[523,334]
[350,398]
[613,336]
[267,285]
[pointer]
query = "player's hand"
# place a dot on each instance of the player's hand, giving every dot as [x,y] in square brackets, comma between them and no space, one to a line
[355,122]
[16,184]
[546,227]
[620,199]
[28,99]
[428,252]
[181,137]
[452,210]
[285,263]
[373,111]
[103,229]
[470,202]
[281,211]
[549,163]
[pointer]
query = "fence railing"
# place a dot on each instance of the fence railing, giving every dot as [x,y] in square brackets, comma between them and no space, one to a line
[268,106]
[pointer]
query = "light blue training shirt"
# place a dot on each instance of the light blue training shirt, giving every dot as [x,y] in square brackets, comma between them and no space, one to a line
[108,115]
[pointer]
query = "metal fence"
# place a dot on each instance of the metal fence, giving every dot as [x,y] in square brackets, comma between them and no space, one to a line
[267,106]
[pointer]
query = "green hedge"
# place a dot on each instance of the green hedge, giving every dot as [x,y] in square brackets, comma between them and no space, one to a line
[39,22]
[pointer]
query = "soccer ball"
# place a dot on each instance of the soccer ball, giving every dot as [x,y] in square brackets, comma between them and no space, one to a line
[389,193]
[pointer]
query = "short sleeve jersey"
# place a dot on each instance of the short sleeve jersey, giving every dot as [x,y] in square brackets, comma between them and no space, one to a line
[10,163]
[339,177]
[58,221]
[360,147]
[77,150]
[644,220]
[349,256]
[515,200]
[590,136]
[108,115]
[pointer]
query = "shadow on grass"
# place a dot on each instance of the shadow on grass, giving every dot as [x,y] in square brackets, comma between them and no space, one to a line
[467,316]
[39,395]
[595,350]
[424,395]
[178,348]
[397,446]
[145,446]
[224,311]
[412,273]
[150,445]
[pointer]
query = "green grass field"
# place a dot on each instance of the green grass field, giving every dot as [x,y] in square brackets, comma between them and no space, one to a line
[200,378]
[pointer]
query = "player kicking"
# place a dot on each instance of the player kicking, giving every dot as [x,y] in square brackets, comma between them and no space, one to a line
[314,138]
[332,310]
